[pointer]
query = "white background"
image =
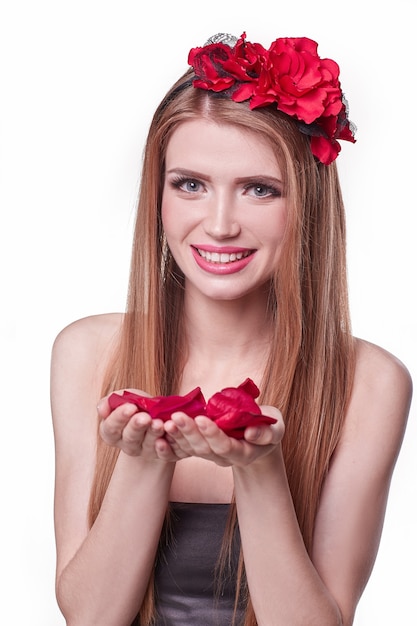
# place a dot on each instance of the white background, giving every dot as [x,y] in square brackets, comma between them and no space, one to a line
[79,82]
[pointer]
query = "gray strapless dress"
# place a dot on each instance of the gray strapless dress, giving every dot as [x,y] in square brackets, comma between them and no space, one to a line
[185,590]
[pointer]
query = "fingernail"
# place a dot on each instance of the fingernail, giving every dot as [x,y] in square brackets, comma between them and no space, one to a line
[178,420]
[201,423]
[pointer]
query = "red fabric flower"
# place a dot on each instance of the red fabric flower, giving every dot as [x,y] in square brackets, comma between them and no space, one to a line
[234,409]
[290,75]
[162,407]
[325,146]
[208,63]
[303,85]
[218,67]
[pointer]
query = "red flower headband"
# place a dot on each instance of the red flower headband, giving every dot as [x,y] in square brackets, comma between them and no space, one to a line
[290,75]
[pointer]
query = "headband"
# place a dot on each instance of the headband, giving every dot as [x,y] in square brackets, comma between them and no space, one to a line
[289,75]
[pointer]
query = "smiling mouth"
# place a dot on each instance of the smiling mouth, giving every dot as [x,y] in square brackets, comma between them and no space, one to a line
[223,257]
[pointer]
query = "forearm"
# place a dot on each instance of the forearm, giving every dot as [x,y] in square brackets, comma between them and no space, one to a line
[284,586]
[106,580]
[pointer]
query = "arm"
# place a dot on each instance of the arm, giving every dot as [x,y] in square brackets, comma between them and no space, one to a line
[325,590]
[287,587]
[102,573]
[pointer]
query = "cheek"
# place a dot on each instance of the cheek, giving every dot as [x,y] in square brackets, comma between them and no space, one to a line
[175,229]
[177,220]
[272,228]
[170,221]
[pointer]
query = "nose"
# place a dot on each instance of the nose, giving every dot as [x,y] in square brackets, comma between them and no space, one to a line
[221,220]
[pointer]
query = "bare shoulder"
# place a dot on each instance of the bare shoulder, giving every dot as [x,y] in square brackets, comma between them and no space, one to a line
[87,341]
[80,355]
[381,394]
[377,370]
[95,331]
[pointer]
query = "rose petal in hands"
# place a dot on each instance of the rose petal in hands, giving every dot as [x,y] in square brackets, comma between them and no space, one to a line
[133,431]
[203,438]
[234,409]
[162,407]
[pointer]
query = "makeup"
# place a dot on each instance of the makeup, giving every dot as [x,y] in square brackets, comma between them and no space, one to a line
[222,260]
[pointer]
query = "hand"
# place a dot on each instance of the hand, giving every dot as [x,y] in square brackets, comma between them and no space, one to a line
[201,437]
[133,431]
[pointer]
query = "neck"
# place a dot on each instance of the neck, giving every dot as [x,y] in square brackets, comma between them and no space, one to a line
[227,341]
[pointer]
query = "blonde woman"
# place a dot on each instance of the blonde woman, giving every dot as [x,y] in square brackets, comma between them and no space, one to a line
[238,272]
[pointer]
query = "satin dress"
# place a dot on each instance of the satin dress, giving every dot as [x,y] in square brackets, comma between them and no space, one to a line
[186,594]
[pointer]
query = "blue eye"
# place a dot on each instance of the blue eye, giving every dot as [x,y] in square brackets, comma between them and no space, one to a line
[260,190]
[189,185]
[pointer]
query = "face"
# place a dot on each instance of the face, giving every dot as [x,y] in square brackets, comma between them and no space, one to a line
[223,209]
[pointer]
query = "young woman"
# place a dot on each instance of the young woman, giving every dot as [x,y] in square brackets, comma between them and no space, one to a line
[238,272]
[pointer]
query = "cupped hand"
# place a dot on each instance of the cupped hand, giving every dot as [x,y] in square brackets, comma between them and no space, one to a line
[133,431]
[203,438]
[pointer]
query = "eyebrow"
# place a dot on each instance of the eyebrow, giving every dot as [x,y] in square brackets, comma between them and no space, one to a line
[261,178]
[253,178]
[189,173]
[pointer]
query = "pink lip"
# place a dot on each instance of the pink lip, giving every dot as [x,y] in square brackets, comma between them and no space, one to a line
[221,268]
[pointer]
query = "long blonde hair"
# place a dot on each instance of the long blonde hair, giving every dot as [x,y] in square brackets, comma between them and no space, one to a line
[310,368]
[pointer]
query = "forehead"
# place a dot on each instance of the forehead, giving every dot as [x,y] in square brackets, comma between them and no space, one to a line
[204,143]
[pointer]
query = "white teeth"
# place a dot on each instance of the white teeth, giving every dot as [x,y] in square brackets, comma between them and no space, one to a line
[224,257]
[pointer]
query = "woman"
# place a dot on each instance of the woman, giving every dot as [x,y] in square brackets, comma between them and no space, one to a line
[238,272]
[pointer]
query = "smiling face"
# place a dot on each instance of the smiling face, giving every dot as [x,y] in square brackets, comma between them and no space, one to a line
[223,209]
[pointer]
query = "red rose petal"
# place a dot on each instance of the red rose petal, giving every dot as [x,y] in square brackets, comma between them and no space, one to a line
[162,407]
[249,387]
[145,403]
[235,426]
[233,409]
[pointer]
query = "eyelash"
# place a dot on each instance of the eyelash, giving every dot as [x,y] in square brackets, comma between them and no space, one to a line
[271,191]
[179,181]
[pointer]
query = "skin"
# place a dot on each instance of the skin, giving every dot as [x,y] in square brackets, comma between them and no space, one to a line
[102,573]
[214,196]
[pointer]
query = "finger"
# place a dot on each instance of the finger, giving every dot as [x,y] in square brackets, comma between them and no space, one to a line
[154,430]
[179,452]
[140,435]
[267,434]
[264,435]
[230,451]
[112,426]
[271,411]
[220,444]
[184,433]
[103,408]
[165,451]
